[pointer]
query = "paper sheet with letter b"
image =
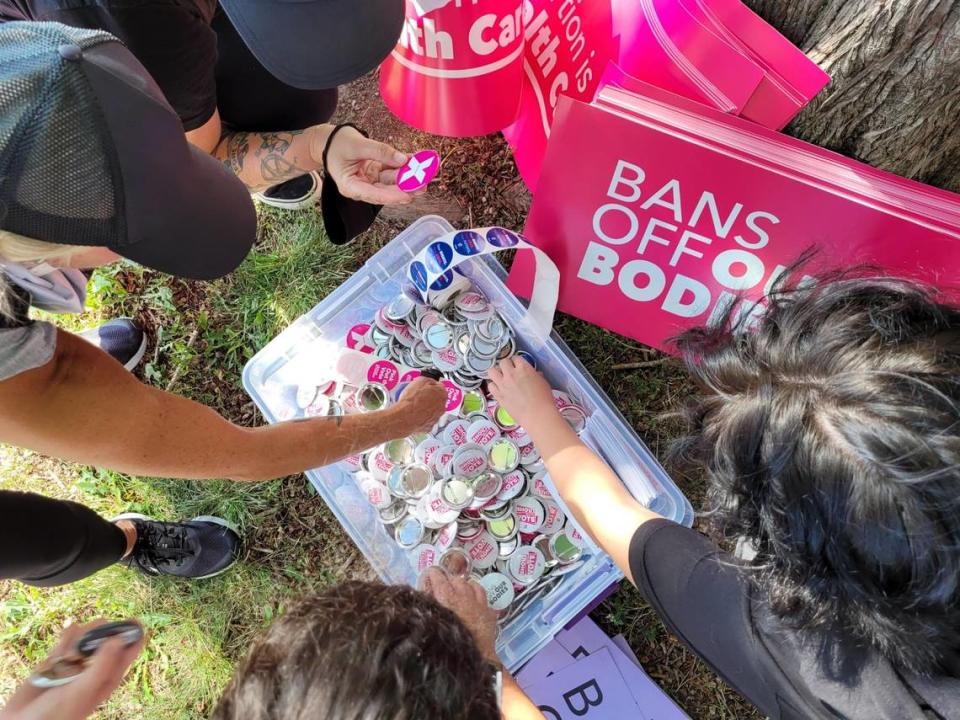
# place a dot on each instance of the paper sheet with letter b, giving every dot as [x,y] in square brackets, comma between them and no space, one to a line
[582,673]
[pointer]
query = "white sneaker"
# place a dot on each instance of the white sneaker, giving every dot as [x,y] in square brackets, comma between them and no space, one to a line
[296,194]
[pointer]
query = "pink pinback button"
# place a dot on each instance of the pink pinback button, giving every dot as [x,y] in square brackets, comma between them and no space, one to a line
[418,171]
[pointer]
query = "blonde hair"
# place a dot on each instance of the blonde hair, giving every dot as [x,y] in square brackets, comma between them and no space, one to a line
[20,249]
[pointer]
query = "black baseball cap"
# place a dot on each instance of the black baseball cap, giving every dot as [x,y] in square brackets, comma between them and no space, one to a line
[317,44]
[92,154]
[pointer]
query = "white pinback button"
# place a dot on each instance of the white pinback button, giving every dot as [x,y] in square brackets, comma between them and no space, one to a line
[470,460]
[409,532]
[424,556]
[564,549]
[457,433]
[456,492]
[526,565]
[446,360]
[372,397]
[399,451]
[415,480]
[553,519]
[514,485]
[504,456]
[575,417]
[446,536]
[530,514]
[376,493]
[499,590]
[503,528]
[483,432]
[394,513]
[483,550]
[542,543]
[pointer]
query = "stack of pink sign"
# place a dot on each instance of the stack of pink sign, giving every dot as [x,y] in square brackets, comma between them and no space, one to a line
[660,211]
[717,52]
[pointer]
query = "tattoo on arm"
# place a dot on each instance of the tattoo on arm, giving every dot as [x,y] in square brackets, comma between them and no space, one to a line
[238,145]
[275,165]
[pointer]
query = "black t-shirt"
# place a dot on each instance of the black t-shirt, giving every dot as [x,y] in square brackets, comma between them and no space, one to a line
[713,608]
[171,38]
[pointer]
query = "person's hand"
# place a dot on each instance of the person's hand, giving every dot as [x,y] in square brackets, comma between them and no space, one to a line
[469,602]
[365,169]
[522,391]
[81,698]
[421,405]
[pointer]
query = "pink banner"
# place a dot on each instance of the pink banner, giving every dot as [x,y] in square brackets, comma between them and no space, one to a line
[568,46]
[659,211]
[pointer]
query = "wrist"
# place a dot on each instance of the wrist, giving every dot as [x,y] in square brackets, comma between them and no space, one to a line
[544,423]
[393,421]
[319,135]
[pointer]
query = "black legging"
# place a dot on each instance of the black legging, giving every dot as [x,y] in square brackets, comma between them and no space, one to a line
[250,98]
[53,542]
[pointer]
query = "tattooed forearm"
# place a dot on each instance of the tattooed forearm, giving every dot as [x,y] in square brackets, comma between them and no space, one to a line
[277,162]
[265,159]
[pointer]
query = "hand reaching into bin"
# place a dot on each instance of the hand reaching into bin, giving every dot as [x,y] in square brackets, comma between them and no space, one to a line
[468,601]
[421,405]
[595,495]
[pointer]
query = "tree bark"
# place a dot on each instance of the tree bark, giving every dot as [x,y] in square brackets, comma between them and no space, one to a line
[894,101]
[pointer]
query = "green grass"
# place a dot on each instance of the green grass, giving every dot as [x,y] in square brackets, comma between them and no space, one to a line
[204,335]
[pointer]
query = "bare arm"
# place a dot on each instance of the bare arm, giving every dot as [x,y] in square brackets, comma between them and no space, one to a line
[516,704]
[363,169]
[84,407]
[595,495]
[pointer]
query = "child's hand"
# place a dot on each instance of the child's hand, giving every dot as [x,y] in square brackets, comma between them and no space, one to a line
[522,391]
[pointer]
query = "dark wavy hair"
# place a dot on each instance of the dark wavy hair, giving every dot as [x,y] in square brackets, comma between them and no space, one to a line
[363,651]
[830,435]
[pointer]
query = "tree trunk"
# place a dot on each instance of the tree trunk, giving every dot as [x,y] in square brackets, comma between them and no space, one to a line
[894,101]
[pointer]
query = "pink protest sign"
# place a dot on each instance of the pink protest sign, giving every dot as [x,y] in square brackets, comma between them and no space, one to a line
[419,171]
[567,47]
[659,212]
[458,67]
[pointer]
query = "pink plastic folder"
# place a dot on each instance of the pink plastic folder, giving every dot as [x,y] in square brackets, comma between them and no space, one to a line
[659,211]
[716,52]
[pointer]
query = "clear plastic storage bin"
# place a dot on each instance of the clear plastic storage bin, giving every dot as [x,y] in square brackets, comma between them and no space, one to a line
[285,360]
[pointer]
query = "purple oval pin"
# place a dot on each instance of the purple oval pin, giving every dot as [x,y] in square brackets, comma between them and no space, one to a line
[418,171]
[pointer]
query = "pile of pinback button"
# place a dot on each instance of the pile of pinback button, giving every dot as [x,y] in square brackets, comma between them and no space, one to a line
[470,496]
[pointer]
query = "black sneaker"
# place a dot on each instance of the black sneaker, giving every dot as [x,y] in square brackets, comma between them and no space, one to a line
[122,339]
[197,549]
[295,194]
